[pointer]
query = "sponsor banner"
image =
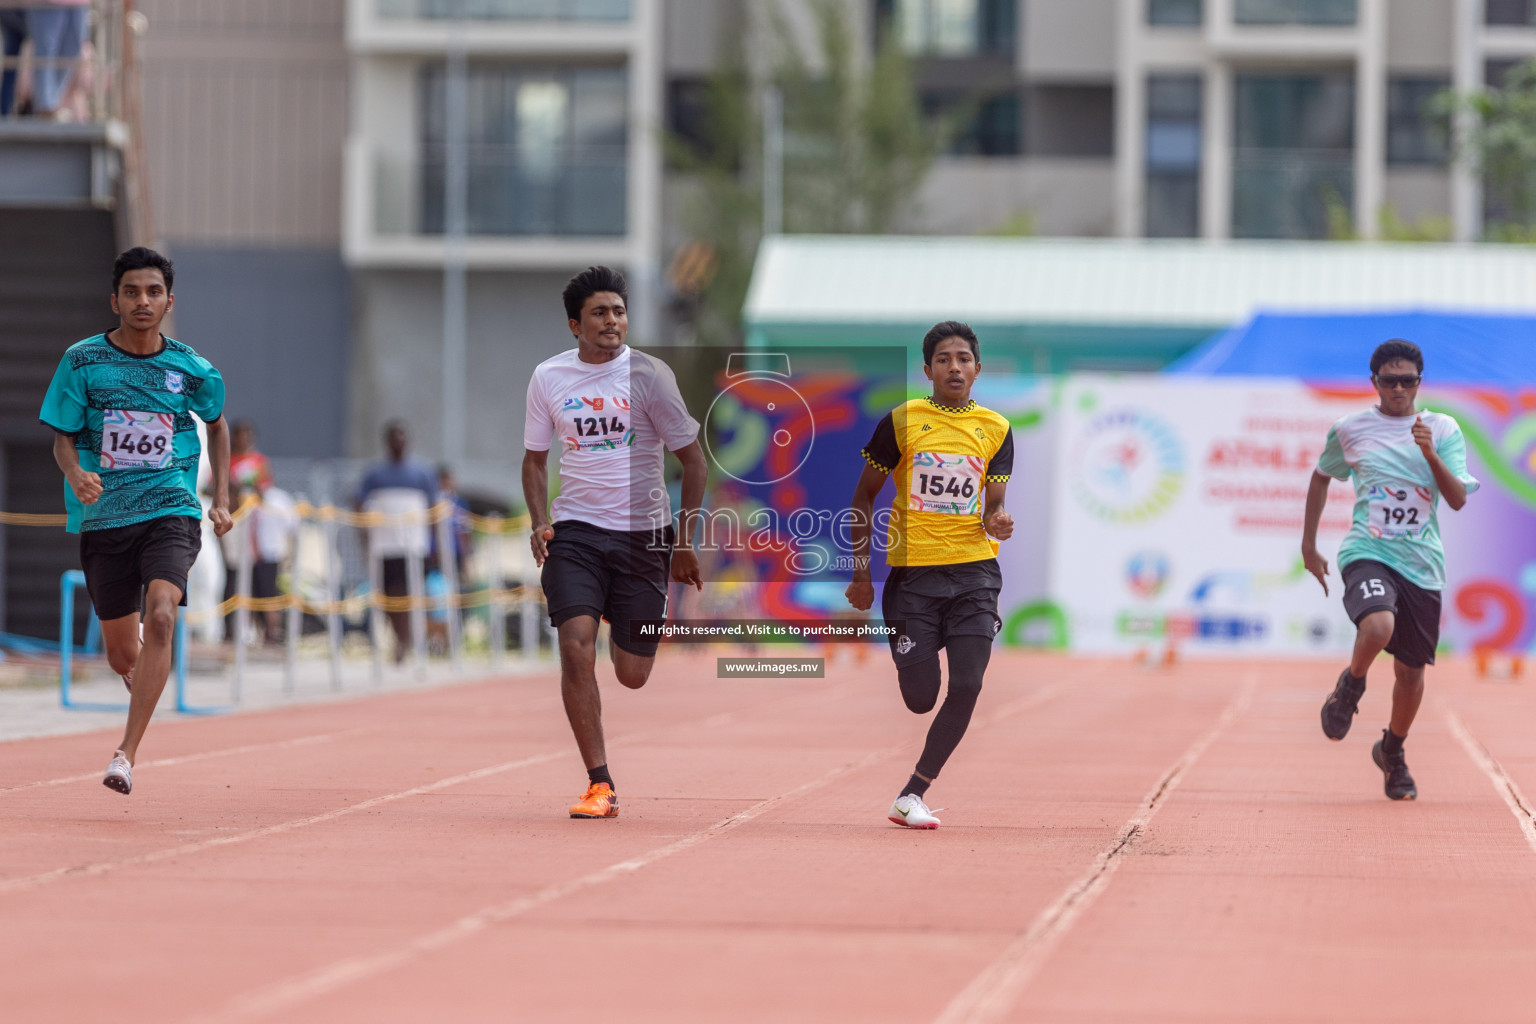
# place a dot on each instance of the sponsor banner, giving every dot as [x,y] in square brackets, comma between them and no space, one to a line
[1178,509]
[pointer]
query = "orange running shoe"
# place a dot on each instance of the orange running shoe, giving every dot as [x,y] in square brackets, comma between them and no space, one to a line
[599,801]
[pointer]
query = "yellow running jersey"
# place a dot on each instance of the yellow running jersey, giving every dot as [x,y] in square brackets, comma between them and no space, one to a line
[941,460]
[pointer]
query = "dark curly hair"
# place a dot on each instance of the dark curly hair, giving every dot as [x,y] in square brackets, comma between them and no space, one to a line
[587,284]
[949,329]
[1397,348]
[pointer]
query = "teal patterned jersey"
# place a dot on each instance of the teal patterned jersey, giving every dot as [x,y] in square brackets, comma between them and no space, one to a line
[131,419]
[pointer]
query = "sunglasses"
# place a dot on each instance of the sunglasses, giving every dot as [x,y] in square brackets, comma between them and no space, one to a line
[1407,381]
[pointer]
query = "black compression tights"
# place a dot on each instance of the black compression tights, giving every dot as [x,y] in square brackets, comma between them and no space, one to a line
[968,657]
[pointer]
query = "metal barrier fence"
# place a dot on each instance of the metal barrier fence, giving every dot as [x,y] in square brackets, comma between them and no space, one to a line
[501,581]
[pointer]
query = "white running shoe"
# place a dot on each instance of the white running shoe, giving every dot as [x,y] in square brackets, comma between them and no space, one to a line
[119,775]
[909,810]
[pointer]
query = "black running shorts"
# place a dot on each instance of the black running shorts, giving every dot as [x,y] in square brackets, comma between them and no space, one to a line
[120,562]
[931,603]
[611,575]
[1374,587]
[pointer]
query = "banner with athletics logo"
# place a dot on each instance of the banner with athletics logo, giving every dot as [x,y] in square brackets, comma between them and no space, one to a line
[1178,504]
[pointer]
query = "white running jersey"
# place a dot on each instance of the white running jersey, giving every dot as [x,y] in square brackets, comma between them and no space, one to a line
[611,421]
[1396,516]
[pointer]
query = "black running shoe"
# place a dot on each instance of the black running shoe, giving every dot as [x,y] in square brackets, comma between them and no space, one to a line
[1340,707]
[1399,784]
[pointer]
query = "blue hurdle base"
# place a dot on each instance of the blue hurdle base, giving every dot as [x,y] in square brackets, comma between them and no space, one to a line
[68,584]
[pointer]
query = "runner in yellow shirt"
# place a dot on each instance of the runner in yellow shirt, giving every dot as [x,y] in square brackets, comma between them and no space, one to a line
[951,459]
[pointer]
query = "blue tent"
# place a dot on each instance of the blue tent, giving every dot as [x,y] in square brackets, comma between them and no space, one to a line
[1461,348]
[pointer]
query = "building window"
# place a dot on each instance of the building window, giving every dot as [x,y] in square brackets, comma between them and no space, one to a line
[548,150]
[1293,159]
[688,114]
[1295,12]
[989,126]
[1510,12]
[950,28]
[1175,12]
[1414,135]
[1173,156]
[509,10]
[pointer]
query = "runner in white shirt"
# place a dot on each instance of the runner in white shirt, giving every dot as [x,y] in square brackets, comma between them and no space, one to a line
[607,549]
[1403,460]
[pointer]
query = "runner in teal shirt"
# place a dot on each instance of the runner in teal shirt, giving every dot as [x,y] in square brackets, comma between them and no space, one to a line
[122,405]
[1403,460]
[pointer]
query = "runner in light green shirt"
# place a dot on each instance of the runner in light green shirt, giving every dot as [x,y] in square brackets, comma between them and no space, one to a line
[1402,460]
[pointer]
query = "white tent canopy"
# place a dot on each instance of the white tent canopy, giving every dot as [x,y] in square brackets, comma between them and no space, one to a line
[831,279]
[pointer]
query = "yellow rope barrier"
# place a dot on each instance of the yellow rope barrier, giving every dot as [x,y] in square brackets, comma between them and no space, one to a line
[362,602]
[322,513]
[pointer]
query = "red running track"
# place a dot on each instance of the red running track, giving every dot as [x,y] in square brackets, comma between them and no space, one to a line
[1119,845]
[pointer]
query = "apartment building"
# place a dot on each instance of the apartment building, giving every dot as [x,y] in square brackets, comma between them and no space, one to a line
[303,144]
[1202,118]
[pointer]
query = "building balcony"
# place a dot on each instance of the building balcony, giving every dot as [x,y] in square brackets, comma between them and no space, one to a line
[548,28]
[523,210]
[1284,29]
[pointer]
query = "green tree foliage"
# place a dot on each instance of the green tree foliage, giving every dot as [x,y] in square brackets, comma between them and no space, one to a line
[1500,142]
[856,150]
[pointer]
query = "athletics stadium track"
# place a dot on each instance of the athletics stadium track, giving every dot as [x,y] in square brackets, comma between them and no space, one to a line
[1121,844]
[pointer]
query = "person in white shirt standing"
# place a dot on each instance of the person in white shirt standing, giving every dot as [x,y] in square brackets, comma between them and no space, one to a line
[608,544]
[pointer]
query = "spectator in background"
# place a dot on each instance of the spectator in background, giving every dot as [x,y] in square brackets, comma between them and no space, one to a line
[447,490]
[276,526]
[395,486]
[247,466]
[57,32]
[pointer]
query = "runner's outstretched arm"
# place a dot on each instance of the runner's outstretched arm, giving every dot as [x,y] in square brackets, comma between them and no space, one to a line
[1317,497]
[861,592]
[536,497]
[218,458]
[685,562]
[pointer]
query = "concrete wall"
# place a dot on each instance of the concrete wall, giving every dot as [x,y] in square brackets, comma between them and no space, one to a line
[245,119]
[1068,40]
[245,116]
[1421,35]
[1064,196]
[515,321]
[1418,193]
[276,324]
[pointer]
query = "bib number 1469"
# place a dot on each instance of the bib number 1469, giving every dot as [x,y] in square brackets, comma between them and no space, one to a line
[136,440]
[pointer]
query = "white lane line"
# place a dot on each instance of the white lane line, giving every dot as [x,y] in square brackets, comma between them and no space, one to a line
[994,992]
[315,984]
[100,868]
[283,995]
[164,762]
[1523,810]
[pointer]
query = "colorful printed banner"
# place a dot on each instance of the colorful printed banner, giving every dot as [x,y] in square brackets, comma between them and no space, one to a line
[1177,513]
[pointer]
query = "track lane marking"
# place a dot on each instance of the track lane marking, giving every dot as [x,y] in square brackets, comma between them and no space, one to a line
[286,994]
[1523,810]
[993,992]
[102,867]
[206,755]
[28,882]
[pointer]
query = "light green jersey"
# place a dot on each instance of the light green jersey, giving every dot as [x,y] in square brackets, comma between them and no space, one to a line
[1396,518]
